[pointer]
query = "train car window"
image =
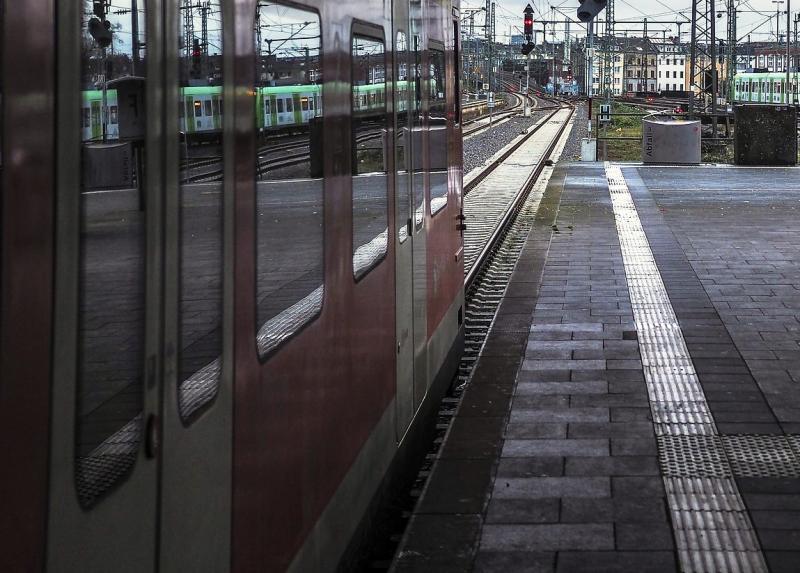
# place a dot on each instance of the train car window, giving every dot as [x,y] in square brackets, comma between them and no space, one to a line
[198,109]
[417,130]
[437,96]
[369,127]
[402,137]
[456,63]
[289,185]
[111,258]
[201,217]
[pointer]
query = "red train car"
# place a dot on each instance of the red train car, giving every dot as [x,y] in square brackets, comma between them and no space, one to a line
[218,355]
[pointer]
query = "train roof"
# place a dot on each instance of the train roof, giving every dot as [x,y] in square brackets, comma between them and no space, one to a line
[762,75]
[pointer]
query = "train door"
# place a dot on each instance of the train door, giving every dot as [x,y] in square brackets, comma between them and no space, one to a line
[140,432]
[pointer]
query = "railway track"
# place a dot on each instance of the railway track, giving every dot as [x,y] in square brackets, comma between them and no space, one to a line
[498,220]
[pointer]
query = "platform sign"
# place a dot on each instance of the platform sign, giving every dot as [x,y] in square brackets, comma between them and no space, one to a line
[605,113]
[490,101]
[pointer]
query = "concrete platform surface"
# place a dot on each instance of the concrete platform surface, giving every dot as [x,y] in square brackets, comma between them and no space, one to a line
[637,404]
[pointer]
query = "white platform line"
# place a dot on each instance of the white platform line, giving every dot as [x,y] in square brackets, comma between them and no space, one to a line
[712,528]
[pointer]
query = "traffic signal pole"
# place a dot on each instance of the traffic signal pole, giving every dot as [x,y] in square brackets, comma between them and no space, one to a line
[528,31]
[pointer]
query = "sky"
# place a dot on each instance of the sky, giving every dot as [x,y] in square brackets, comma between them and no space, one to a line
[755,17]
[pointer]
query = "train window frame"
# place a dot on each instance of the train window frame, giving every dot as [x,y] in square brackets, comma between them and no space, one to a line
[456,60]
[199,373]
[417,110]
[126,442]
[371,33]
[438,47]
[404,218]
[276,107]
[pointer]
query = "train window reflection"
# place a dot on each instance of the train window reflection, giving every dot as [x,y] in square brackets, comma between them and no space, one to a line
[417,132]
[402,108]
[200,208]
[111,273]
[289,186]
[437,98]
[368,142]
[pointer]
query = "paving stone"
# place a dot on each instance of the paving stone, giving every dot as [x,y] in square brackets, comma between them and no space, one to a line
[610,430]
[530,467]
[779,539]
[523,431]
[616,562]
[613,509]
[630,399]
[560,415]
[593,536]
[638,486]
[569,327]
[612,466]
[533,401]
[570,447]
[563,364]
[782,561]
[515,561]
[772,501]
[587,387]
[545,487]
[523,511]
[641,414]
[634,537]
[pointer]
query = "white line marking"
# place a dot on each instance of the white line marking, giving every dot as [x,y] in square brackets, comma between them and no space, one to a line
[712,528]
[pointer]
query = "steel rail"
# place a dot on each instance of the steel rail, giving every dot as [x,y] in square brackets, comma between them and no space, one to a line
[519,200]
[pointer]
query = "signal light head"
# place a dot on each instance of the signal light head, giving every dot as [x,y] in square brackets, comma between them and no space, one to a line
[589,9]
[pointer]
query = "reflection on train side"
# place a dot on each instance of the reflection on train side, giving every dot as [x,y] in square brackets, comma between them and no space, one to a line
[289,187]
[437,99]
[111,264]
[200,204]
[369,127]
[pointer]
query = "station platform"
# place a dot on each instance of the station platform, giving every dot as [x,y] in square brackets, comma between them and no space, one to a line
[636,406]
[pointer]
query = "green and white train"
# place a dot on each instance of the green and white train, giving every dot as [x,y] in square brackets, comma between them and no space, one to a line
[765,87]
[201,108]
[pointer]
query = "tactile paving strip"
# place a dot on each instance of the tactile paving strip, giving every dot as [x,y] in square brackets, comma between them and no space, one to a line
[712,529]
[696,456]
[761,456]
